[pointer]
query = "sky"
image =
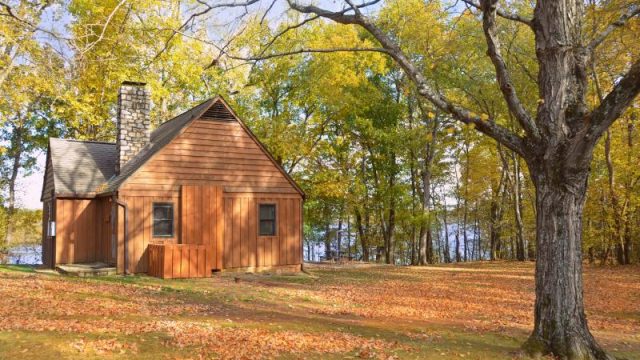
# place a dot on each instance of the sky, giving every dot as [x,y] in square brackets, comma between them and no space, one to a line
[30,187]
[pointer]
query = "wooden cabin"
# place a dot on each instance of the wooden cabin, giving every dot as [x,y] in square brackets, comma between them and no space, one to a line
[198,194]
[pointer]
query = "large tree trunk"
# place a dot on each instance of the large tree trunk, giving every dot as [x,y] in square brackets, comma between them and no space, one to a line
[560,323]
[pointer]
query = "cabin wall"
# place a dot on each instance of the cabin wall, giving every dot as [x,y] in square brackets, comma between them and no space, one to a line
[241,247]
[139,230]
[83,230]
[48,206]
[222,155]
[48,186]
[47,241]
[209,153]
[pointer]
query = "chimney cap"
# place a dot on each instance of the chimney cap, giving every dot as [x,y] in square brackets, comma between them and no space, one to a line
[134,83]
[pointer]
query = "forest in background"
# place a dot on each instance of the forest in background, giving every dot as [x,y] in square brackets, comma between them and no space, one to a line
[375,159]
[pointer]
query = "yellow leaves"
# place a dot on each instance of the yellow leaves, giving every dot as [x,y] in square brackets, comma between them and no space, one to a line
[431,115]
[484,117]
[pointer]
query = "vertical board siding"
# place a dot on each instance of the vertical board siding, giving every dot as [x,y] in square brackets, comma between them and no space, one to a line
[228,233]
[176,261]
[199,214]
[243,247]
[83,230]
[140,230]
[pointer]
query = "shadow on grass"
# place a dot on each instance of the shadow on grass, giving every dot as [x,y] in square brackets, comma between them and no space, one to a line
[18,268]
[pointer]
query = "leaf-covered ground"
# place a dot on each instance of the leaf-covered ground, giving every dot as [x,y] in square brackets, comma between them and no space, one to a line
[471,311]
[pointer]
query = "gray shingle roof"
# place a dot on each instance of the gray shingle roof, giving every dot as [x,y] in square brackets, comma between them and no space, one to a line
[79,167]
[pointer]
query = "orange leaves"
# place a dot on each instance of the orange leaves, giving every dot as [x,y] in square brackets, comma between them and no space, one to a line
[104,347]
[351,311]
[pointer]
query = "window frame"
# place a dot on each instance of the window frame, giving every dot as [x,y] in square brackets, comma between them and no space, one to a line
[170,205]
[275,219]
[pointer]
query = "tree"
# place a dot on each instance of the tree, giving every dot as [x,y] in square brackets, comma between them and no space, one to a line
[557,143]
[28,71]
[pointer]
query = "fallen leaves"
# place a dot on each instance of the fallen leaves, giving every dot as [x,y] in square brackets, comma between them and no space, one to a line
[214,318]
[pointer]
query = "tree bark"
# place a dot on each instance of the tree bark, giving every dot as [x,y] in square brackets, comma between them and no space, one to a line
[447,255]
[327,241]
[495,225]
[560,325]
[362,234]
[517,208]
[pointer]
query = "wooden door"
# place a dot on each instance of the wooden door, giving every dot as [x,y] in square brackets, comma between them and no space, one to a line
[202,220]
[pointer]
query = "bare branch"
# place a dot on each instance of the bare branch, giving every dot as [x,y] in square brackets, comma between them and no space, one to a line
[11,14]
[286,30]
[490,128]
[489,9]
[501,13]
[195,15]
[273,2]
[634,10]
[104,27]
[615,103]
[305,51]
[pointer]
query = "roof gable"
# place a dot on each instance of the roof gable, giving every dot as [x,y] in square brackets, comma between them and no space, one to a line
[215,109]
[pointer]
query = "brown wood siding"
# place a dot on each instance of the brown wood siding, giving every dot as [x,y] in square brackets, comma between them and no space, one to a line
[140,230]
[199,218]
[215,174]
[243,247]
[169,261]
[210,153]
[233,242]
[83,230]
[47,246]
[48,186]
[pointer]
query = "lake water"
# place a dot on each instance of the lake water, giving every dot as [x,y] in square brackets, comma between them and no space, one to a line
[25,254]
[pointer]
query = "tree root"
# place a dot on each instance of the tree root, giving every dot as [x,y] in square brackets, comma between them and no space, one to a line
[575,348]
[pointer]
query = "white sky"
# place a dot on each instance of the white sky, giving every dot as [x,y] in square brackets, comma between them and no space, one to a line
[29,187]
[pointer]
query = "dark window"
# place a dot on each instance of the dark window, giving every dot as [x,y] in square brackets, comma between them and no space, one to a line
[267,219]
[162,220]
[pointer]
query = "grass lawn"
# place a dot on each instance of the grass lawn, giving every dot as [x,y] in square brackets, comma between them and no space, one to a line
[470,311]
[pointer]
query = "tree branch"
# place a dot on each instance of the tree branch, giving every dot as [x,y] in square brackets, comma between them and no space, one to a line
[634,10]
[193,16]
[104,27]
[286,30]
[489,9]
[615,103]
[503,14]
[305,51]
[490,128]
[11,14]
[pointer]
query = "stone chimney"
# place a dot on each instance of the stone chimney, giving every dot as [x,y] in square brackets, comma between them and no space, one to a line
[134,104]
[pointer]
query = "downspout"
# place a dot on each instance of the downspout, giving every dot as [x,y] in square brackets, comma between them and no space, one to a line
[126,237]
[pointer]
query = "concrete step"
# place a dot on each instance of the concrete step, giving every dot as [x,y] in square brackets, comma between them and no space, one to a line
[88,269]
